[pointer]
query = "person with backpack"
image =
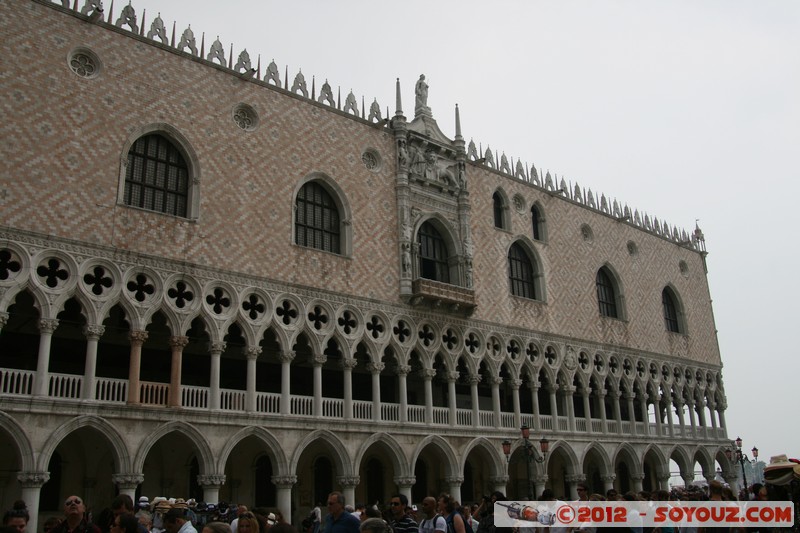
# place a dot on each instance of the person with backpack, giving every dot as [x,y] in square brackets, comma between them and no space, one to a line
[433,521]
[448,507]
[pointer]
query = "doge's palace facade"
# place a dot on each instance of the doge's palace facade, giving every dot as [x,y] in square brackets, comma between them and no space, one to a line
[218,282]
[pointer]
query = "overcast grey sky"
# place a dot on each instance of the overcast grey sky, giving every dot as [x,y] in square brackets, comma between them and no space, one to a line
[684,109]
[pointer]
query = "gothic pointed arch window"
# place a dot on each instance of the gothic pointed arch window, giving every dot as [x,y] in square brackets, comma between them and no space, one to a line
[607,293]
[537,223]
[317,218]
[157,176]
[671,307]
[497,210]
[521,273]
[433,257]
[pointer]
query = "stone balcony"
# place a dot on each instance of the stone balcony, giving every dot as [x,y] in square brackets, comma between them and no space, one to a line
[443,296]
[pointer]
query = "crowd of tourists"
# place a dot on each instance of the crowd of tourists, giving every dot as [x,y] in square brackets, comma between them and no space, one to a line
[442,514]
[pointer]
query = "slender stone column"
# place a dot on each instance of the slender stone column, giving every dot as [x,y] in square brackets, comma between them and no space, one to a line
[404,485]
[177,343]
[347,366]
[496,381]
[32,483]
[663,481]
[137,339]
[721,407]
[498,483]
[572,482]
[46,328]
[552,389]
[452,377]
[690,406]
[375,369]
[127,483]
[454,482]
[712,409]
[657,410]
[631,414]
[601,401]
[569,392]
[402,388]
[688,478]
[428,374]
[215,349]
[701,416]
[348,484]
[539,483]
[587,411]
[318,361]
[669,410]
[534,385]
[474,379]
[515,384]
[615,408]
[286,374]
[637,481]
[679,411]
[211,484]
[93,334]
[645,413]
[284,486]
[250,396]
[608,482]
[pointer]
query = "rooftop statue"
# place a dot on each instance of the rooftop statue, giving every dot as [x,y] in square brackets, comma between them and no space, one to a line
[421,91]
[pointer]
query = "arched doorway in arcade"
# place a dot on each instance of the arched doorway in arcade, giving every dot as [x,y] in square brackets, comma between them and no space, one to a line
[83,462]
[478,470]
[377,472]
[430,471]
[595,467]
[248,474]
[171,467]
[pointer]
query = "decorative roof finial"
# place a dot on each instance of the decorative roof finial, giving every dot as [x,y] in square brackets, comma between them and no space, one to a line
[458,125]
[399,104]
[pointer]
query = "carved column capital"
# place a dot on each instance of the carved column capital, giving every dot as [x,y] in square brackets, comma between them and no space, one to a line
[403,370]
[474,379]
[405,481]
[608,478]
[48,325]
[515,383]
[217,348]
[551,387]
[663,477]
[428,373]
[178,341]
[33,480]
[496,380]
[638,476]
[454,480]
[137,337]
[129,480]
[375,368]
[348,482]
[349,364]
[319,360]
[211,480]
[541,479]
[574,478]
[252,352]
[287,357]
[453,376]
[498,480]
[93,332]
[284,482]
